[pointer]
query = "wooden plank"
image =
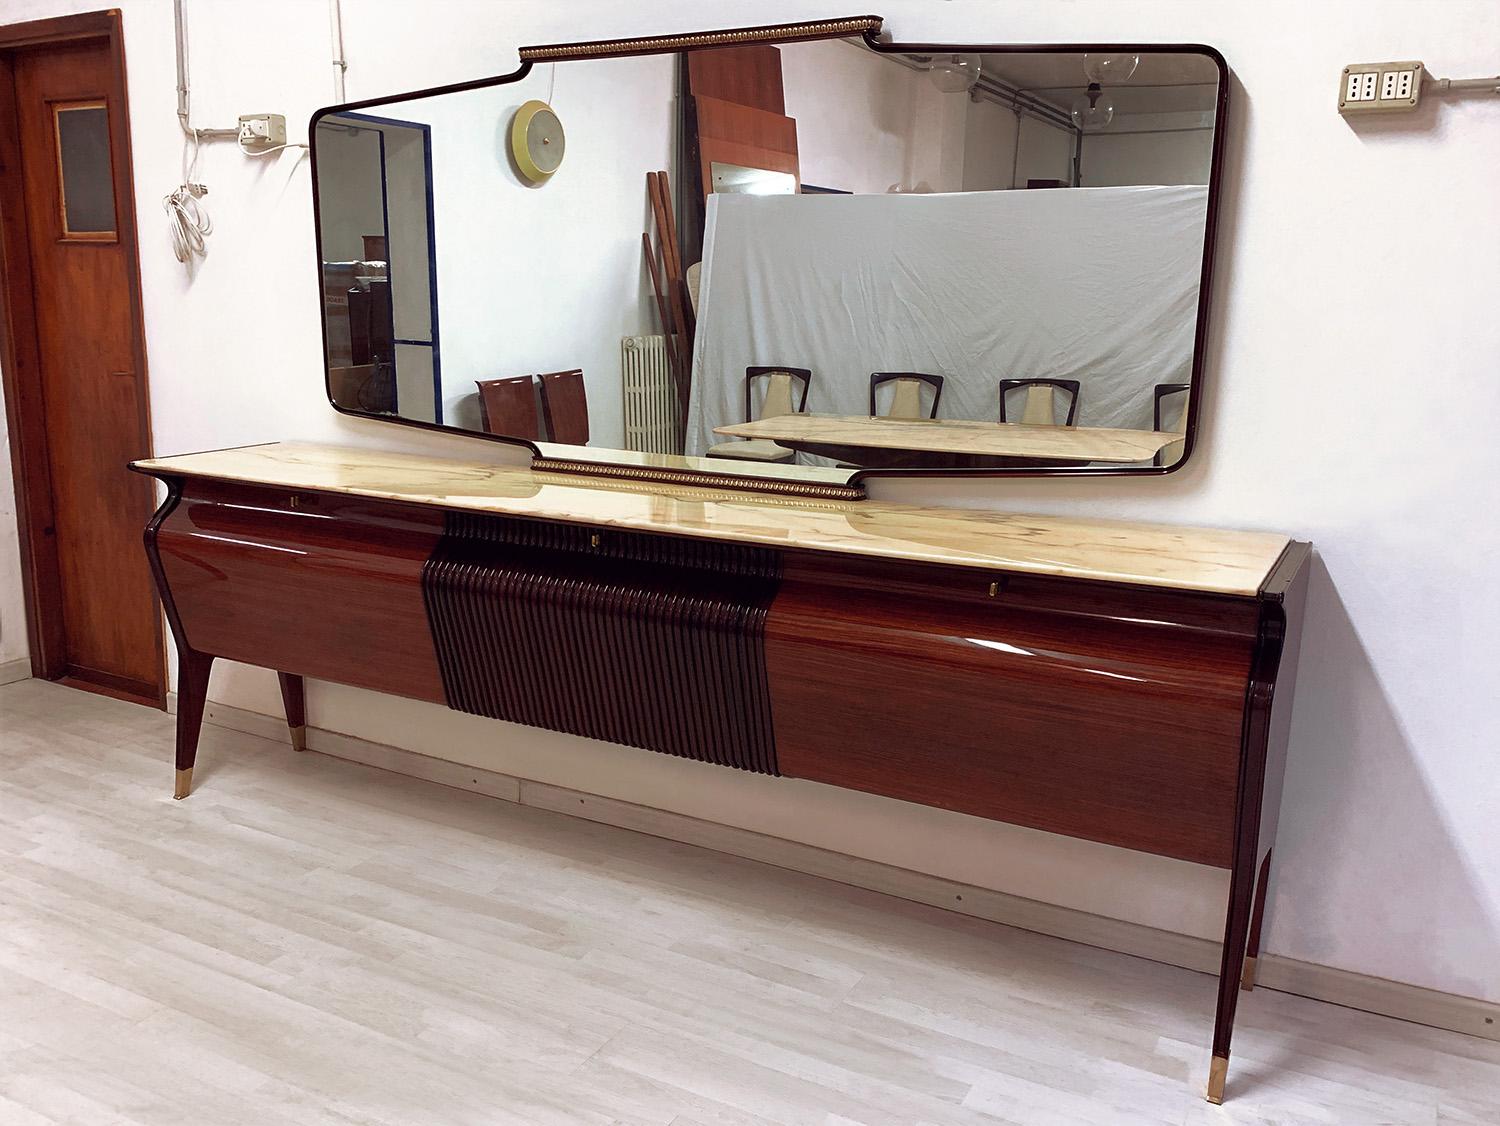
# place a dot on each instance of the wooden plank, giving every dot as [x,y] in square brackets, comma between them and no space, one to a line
[748,75]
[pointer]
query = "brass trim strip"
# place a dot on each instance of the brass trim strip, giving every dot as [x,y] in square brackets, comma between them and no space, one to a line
[823,29]
[700,479]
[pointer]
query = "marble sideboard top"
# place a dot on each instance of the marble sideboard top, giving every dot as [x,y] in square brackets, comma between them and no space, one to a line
[1157,555]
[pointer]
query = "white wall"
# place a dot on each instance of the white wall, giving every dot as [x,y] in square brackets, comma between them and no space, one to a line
[1389,858]
[1174,155]
[1045,153]
[989,147]
[866,122]
[546,278]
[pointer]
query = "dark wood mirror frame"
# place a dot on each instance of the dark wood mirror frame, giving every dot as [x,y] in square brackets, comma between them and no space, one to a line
[870,29]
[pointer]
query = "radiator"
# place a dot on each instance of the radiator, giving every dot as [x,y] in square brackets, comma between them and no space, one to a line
[650,399]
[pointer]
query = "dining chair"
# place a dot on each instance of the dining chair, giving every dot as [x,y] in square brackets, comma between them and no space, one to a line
[1169,453]
[781,385]
[508,406]
[906,395]
[1040,408]
[565,407]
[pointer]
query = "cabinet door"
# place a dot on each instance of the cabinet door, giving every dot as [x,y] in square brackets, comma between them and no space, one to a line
[321,586]
[1107,713]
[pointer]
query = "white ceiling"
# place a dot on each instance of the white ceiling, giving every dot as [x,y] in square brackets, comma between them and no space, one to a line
[1162,83]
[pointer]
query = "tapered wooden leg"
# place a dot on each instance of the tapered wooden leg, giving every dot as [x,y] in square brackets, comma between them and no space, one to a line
[1257,913]
[192,691]
[1236,935]
[294,701]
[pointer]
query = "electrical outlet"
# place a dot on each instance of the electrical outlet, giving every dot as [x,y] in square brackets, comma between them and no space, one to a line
[1380,87]
[262,131]
[1359,86]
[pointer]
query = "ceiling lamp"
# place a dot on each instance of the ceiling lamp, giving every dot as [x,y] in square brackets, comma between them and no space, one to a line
[954,74]
[1093,110]
[1113,69]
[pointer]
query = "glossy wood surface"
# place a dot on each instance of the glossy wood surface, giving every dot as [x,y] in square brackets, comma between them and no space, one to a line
[1153,555]
[327,587]
[565,406]
[1108,714]
[75,375]
[509,406]
[820,433]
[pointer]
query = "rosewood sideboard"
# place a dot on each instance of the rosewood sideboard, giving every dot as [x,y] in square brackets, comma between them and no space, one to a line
[1123,683]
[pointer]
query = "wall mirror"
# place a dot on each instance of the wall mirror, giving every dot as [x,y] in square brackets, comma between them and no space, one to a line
[807,254]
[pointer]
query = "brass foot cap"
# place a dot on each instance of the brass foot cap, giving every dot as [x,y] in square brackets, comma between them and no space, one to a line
[1247,979]
[299,737]
[184,785]
[1217,1072]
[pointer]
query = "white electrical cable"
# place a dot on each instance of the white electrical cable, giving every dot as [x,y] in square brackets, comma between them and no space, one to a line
[340,63]
[190,224]
[274,148]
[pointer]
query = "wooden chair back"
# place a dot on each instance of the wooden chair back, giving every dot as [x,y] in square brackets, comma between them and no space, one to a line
[508,406]
[1040,408]
[565,407]
[1172,451]
[780,388]
[906,395]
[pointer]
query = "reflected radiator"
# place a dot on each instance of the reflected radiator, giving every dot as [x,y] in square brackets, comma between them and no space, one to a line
[650,399]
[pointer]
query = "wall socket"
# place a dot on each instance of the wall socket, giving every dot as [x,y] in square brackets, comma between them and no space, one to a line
[1380,87]
[262,131]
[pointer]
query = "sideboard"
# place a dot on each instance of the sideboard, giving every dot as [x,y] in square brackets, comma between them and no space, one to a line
[1119,682]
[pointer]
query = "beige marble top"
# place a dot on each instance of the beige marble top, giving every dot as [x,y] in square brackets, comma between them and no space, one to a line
[1158,555]
[773,471]
[959,436]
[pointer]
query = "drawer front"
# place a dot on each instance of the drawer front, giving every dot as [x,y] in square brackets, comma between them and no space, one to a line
[321,586]
[1108,713]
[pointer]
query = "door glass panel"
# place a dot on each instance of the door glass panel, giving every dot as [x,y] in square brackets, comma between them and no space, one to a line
[85,181]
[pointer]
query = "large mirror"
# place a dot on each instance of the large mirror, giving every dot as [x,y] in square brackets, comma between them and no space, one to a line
[806,260]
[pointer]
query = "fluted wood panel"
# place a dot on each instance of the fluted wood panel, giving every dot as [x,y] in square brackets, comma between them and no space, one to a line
[635,639]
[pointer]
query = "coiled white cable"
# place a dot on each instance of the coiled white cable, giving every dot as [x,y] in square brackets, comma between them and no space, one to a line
[189,219]
[190,222]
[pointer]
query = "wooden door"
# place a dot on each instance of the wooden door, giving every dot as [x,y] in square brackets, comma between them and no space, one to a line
[78,392]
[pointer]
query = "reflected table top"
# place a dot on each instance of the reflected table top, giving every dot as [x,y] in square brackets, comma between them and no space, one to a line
[858,438]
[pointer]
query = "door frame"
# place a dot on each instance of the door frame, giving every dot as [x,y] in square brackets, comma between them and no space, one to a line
[20,349]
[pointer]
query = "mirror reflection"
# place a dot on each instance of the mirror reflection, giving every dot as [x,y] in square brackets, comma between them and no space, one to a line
[806,258]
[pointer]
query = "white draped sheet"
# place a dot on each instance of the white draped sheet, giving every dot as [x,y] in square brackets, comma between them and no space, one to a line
[1094,284]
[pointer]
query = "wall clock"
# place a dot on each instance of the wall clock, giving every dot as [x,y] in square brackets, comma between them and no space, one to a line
[536,141]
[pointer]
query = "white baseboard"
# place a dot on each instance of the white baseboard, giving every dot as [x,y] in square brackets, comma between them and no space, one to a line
[12,671]
[1286,975]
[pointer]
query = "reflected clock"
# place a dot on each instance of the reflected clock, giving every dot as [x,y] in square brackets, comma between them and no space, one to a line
[536,141]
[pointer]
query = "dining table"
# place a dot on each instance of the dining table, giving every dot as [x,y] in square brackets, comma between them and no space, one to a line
[887,442]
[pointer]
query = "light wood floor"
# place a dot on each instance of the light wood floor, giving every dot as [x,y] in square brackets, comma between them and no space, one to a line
[310,941]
